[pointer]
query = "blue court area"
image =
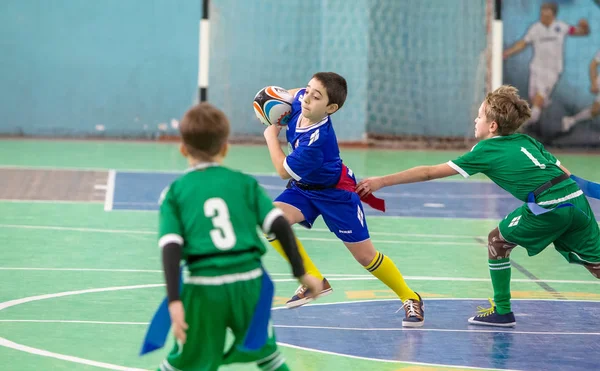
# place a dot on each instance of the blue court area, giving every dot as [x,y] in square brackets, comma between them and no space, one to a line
[549,336]
[449,199]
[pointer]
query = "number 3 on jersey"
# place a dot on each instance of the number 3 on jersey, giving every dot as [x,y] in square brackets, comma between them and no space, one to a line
[223,235]
[533,159]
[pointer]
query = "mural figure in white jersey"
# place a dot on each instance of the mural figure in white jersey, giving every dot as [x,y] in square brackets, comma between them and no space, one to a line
[547,37]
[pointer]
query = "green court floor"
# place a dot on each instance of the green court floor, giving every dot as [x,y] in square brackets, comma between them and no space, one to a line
[80,283]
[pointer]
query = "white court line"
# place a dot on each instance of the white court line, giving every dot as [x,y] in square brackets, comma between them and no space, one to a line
[74,321]
[79,269]
[44,353]
[369,215]
[9,344]
[76,229]
[273,187]
[444,196]
[437,330]
[147,171]
[330,276]
[312,304]
[100,187]
[101,230]
[400,242]
[301,229]
[450,279]
[324,327]
[12,303]
[16,201]
[110,190]
[138,203]
[382,194]
[387,360]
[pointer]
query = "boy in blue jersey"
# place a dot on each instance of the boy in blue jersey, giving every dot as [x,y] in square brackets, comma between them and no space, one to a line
[322,185]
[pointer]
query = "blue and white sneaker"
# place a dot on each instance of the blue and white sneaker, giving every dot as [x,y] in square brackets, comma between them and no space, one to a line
[489,317]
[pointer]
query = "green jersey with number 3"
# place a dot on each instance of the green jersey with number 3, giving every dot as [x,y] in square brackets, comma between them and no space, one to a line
[214,212]
[517,163]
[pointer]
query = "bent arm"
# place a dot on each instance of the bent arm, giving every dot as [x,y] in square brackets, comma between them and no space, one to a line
[516,48]
[277,157]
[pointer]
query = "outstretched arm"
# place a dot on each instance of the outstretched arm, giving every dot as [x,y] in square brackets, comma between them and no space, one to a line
[516,48]
[416,174]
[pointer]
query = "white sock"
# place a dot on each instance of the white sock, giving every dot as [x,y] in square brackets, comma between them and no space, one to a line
[535,115]
[585,114]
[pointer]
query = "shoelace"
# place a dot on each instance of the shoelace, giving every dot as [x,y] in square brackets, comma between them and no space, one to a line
[412,310]
[484,312]
[301,290]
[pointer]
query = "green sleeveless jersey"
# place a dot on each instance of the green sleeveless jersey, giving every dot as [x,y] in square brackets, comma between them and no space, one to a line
[214,212]
[519,164]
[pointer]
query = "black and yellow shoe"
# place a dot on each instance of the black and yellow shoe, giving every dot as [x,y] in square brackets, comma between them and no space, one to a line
[490,317]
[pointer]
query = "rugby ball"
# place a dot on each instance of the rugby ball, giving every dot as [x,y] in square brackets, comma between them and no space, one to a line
[273,105]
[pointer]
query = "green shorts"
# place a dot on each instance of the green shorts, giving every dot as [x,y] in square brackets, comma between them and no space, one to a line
[573,230]
[211,311]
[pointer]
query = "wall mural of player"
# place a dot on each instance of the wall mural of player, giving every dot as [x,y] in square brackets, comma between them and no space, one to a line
[554,73]
[547,37]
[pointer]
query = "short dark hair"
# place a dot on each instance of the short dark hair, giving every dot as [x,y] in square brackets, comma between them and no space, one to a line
[204,130]
[335,85]
[550,6]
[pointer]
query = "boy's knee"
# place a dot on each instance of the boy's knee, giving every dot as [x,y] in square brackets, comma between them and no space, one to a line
[498,248]
[364,252]
[364,258]
[292,214]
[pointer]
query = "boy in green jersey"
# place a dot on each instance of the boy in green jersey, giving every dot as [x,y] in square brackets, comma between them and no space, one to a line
[209,218]
[520,165]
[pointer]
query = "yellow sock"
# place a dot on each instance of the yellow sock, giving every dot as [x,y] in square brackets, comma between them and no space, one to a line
[386,271]
[309,266]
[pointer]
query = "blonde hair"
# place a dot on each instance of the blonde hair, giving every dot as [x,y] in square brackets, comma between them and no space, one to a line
[504,106]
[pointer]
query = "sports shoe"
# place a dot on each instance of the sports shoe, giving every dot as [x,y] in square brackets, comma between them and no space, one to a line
[415,313]
[489,317]
[567,123]
[301,295]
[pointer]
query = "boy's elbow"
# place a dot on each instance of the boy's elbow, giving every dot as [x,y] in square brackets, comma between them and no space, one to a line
[283,174]
[428,174]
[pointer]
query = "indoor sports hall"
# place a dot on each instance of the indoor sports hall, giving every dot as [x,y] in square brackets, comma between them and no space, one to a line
[92,97]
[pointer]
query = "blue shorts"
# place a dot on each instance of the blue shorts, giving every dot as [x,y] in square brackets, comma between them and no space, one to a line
[342,211]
